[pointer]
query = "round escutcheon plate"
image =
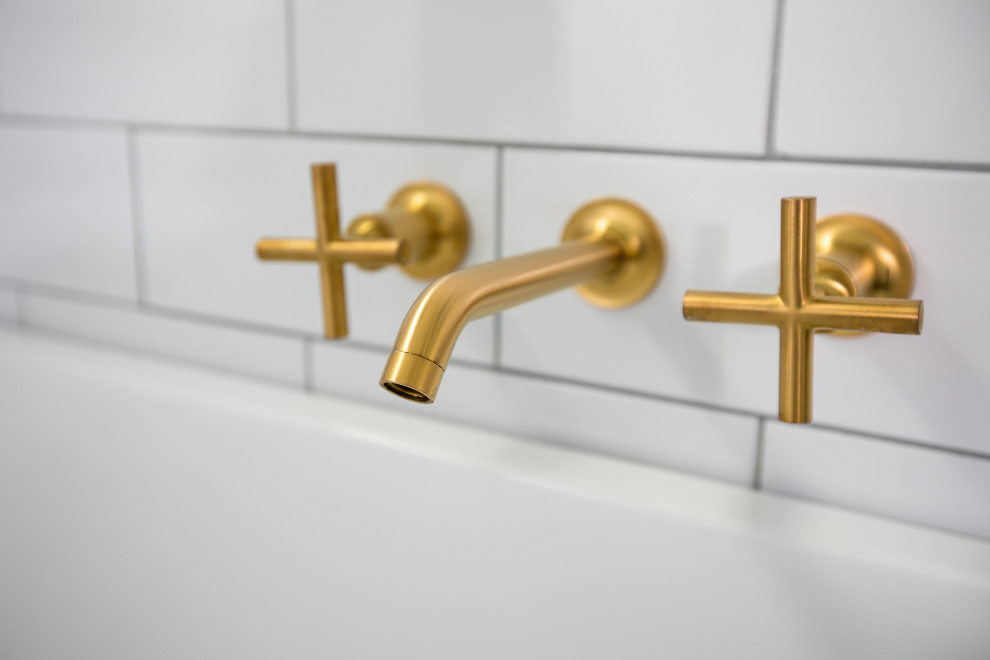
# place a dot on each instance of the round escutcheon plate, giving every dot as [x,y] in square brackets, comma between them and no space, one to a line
[643,246]
[860,237]
[449,220]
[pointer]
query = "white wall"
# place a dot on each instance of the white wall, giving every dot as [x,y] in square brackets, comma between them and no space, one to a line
[144,146]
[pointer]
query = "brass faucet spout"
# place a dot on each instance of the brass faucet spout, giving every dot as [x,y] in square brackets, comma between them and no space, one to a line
[612,250]
[435,321]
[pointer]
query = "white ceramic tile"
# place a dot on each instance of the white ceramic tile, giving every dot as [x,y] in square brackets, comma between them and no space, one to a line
[917,484]
[230,349]
[217,62]
[722,221]
[65,215]
[886,79]
[705,442]
[8,306]
[671,74]
[206,200]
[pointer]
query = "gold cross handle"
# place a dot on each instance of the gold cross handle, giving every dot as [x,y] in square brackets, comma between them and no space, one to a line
[423,229]
[850,276]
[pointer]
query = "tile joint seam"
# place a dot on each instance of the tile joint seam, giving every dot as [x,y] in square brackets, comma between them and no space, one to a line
[29,121]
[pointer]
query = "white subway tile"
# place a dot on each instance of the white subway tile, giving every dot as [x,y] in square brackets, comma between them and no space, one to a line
[705,442]
[65,215]
[206,200]
[217,62]
[917,484]
[722,222]
[8,306]
[886,79]
[674,74]
[231,349]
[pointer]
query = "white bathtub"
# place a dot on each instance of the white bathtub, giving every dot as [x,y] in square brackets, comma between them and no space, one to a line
[155,511]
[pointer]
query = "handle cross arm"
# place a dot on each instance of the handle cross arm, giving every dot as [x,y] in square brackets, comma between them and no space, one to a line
[722,307]
[287,249]
[888,315]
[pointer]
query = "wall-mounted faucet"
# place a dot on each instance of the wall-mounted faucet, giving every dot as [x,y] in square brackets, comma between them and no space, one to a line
[611,248]
[423,229]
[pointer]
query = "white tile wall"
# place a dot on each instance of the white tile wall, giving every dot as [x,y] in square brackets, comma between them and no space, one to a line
[722,222]
[705,442]
[886,79]
[672,74]
[65,214]
[8,306]
[206,200]
[215,62]
[231,349]
[913,483]
[873,80]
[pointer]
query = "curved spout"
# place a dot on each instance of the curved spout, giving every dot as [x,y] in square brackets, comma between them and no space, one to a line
[431,327]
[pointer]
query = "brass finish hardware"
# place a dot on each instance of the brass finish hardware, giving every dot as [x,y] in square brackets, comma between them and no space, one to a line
[642,244]
[857,283]
[611,248]
[423,229]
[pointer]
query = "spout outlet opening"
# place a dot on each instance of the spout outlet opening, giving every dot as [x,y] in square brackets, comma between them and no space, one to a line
[406,392]
[411,377]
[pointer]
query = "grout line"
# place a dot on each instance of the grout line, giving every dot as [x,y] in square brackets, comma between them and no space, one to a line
[499,201]
[761,445]
[703,405]
[574,382]
[103,300]
[291,83]
[164,311]
[20,318]
[309,379]
[499,232]
[623,391]
[137,351]
[137,221]
[226,131]
[497,339]
[54,291]
[771,147]
[914,444]
[880,162]
[233,324]
[65,123]
[28,288]
[366,346]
